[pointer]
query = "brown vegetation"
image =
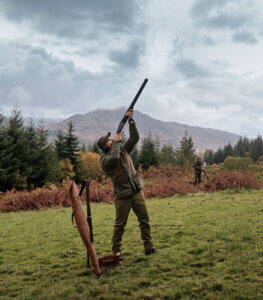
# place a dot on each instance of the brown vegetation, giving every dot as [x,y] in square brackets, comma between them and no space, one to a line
[164,182]
[232,180]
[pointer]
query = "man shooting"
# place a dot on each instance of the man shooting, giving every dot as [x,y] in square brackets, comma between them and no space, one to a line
[117,164]
[198,167]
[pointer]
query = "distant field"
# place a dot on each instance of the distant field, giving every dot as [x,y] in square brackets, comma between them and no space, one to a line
[210,246]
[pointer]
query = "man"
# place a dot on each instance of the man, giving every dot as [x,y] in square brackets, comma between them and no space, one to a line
[198,170]
[117,164]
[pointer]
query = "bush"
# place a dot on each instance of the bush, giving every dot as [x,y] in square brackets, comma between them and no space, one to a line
[232,180]
[66,170]
[50,197]
[237,163]
[90,166]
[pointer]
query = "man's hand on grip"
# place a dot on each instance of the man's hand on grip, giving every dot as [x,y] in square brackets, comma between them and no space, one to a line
[129,113]
[117,137]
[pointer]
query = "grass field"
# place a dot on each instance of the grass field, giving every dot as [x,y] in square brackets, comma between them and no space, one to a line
[210,246]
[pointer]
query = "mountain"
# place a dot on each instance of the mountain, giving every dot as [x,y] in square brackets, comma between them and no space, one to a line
[92,125]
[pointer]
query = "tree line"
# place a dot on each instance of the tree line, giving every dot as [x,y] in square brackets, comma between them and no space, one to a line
[151,153]
[244,148]
[29,160]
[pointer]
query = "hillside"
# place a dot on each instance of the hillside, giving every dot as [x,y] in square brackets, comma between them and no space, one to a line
[92,125]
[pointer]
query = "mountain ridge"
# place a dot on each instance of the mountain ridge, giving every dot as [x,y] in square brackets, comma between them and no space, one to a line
[92,125]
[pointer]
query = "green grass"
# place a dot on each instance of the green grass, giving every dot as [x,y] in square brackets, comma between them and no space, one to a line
[210,246]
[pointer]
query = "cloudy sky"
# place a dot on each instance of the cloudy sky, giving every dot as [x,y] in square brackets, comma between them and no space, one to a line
[203,59]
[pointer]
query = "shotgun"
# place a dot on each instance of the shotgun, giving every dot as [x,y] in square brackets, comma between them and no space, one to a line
[125,118]
[205,174]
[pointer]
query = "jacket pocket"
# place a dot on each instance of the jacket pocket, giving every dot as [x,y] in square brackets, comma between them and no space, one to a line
[137,180]
[123,190]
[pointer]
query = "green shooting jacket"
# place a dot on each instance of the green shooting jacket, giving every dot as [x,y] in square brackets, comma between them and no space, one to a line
[198,167]
[118,165]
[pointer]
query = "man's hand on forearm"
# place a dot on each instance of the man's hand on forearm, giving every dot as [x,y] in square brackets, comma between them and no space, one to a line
[129,114]
[117,137]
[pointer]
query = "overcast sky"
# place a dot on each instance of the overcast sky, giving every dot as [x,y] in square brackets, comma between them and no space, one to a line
[203,59]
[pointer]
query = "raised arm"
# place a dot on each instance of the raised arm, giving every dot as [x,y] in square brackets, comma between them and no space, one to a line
[133,138]
[110,159]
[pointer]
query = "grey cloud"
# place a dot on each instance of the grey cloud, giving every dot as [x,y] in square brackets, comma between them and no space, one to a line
[245,37]
[41,82]
[221,14]
[239,18]
[129,57]
[191,70]
[51,60]
[74,19]
[207,40]
[49,80]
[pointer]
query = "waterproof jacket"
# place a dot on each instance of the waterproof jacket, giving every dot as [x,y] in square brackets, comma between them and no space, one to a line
[198,167]
[118,165]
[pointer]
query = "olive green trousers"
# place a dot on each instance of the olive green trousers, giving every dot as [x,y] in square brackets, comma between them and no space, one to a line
[122,209]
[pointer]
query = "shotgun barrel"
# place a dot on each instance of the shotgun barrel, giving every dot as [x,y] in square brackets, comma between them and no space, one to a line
[125,118]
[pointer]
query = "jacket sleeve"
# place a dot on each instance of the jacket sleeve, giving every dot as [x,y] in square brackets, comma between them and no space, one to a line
[199,167]
[109,160]
[133,138]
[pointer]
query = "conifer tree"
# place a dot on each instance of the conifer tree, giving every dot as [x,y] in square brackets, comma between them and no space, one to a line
[186,151]
[209,157]
[60,145]
[83,148]
[148,154]
[256,148]
[228,151]
[71,145]
[135,156]
[93,147]
[30,153]
[7,162]
[167,155]
[219,157]
[46,168]
[16,133]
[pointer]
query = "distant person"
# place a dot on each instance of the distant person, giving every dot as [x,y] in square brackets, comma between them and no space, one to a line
[198,167]
[117,164]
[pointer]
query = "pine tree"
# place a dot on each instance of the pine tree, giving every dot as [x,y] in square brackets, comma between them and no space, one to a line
[83,148]
[157,143]
[256,148]
[228,151]
[60,145]
[46,167]
[30,153]
[135,156]
[71,145]
[16,133]
[8,163]
[239,148]
[167,155]
[93,147]
[209,157]
[186,151]
[219,157]
[148,154]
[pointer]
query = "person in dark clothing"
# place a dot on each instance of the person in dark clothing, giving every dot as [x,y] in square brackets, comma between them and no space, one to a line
[198,167]
[117,164]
